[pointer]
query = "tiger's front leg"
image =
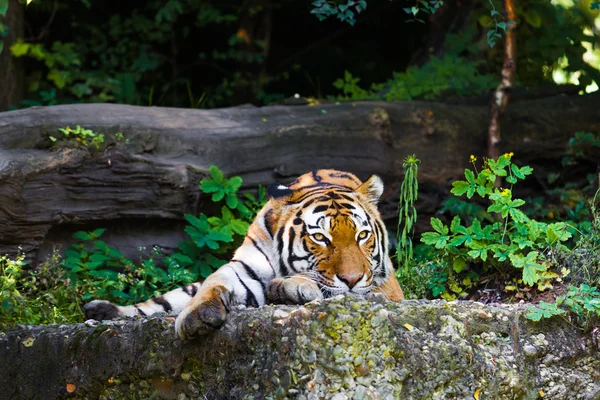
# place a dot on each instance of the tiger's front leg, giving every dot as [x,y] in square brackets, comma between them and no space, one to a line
[232,284]
[295,289]
[206,312]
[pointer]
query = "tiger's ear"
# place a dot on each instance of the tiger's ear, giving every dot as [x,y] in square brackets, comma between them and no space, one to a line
[277,190]
[372,189]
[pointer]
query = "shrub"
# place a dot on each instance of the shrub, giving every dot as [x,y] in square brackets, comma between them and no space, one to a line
[506,242]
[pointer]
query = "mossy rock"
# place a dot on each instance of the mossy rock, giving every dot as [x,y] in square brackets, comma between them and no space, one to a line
[334,349]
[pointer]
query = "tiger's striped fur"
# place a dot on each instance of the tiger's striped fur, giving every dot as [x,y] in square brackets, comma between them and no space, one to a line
[318,237]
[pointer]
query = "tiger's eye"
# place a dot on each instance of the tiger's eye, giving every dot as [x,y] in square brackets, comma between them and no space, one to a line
[363,234]
[319,236]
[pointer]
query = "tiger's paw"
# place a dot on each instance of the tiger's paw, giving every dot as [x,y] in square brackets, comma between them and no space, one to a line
[203,316]
[100,310]
[296,289]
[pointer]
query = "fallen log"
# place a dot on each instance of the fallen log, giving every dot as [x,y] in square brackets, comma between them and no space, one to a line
[337,348]
[143,188]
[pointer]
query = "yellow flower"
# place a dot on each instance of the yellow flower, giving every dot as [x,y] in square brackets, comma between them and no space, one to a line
[472,159]
[504,192]
[509,154]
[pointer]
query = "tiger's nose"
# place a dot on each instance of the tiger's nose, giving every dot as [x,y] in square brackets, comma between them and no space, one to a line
[350,280]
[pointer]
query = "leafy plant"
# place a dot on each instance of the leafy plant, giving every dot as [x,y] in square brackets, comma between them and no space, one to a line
[81,137]
[407,214]
[498,26]
[351,90]
[450,75]
[511,241]
[213,239]
[345,12]
[41,296]
[99,271]
[579,306]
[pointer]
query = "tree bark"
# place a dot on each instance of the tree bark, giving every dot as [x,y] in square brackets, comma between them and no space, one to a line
[144,187]
[337,348]
[502,94]
[11,69]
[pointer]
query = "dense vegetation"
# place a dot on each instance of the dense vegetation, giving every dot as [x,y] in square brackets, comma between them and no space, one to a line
[206,54]
[487,242]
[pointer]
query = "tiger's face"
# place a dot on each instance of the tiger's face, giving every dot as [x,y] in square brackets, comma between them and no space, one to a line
[342,247]
[333,233]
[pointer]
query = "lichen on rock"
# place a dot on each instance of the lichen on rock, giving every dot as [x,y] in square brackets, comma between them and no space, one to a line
[336,348]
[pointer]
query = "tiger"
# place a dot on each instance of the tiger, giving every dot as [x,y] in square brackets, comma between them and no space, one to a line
[318,237]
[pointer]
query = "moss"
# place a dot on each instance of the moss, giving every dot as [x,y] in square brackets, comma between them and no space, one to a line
[341,346]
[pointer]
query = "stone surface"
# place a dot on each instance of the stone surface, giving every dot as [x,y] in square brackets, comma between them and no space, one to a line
[331,349]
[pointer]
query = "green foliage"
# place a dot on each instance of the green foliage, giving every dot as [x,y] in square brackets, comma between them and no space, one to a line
[577,145]
[423,7]
[344,11]
[498,26]
[450,75]
[551,38]
[407,215]
[32,297]
[3,28]
[506,242]
[134,55]
[568,190]
[579,304]
[80,137]
[351,90]
[214,239]
[99,271]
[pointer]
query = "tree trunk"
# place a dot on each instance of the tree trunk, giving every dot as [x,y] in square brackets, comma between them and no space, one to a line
[144,187]
[11,69]
[335,349]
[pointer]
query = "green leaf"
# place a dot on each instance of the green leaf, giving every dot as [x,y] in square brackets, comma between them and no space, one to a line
[104,273]
[458,265]
[182,258]
[238,226]
[3,7]
[557,232]
[434,239]
[209,186]
[200,223]
[438,226]
[459,188]
[81,235]
[498,167]
[529,265]
[94,264]
[533,18]
[457,240]
[470,176]
[234,183]
[216,174]
[455,225]
[231,201]
[20,48]
[543,310]
[97,233]
[517,203]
